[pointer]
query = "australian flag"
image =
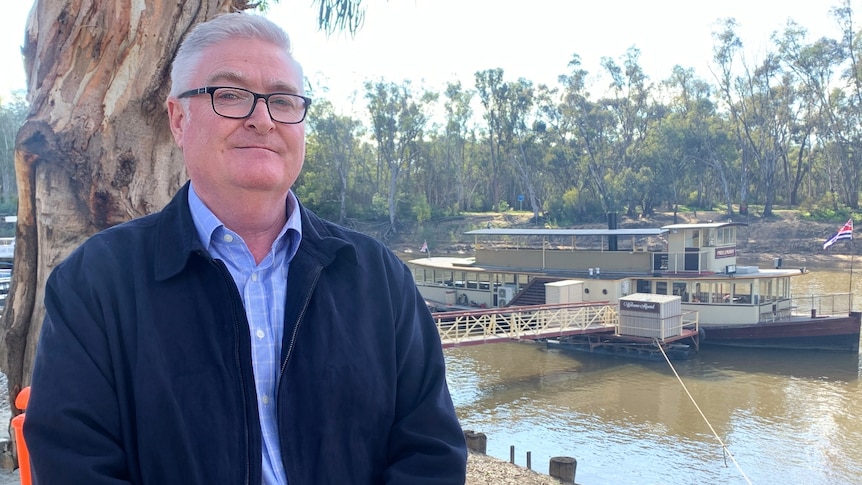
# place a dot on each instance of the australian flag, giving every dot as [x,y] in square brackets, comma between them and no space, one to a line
[846,232]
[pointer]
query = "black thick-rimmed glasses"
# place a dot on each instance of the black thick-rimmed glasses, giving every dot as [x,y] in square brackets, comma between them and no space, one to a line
[239,103]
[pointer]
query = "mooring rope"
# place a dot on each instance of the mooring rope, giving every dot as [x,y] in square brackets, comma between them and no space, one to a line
[723,445]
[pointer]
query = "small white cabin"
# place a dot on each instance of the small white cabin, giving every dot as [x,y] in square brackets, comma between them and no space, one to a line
[702,248]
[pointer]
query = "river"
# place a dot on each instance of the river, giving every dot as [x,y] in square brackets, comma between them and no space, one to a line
[784,417]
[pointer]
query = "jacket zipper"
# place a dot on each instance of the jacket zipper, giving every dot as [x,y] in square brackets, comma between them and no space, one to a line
[289,352]
[296,327]
[228,279]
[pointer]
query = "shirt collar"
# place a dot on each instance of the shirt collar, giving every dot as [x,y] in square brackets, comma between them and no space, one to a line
[206,223]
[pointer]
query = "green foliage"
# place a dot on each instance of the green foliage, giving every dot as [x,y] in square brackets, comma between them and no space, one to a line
[9,207]
[421,209]
[13,113]
[379,207]
[313,193]
[826,214]
[555,211]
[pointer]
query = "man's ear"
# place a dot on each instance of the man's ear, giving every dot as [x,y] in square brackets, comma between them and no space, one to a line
[176,118]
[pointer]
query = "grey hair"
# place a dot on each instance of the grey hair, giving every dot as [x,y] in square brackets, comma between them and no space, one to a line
[222,28]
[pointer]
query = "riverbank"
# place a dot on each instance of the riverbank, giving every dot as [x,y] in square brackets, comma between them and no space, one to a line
[484,469]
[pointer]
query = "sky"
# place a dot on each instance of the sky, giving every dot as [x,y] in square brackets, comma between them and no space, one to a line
[432,42]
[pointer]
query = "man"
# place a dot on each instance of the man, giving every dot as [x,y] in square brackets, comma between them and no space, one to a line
[234,337]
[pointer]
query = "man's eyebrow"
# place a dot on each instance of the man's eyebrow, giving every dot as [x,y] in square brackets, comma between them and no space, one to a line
[225,76]
[282,87]
[237,78]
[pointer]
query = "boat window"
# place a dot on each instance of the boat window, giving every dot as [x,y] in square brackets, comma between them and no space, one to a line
[695,239]
[766,291]
[742,293]
[709,238]
[447,278]
[720,292]
[726,235]
[484,281]
[679,289]
[661,287]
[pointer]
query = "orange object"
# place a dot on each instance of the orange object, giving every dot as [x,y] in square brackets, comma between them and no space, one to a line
[18,425]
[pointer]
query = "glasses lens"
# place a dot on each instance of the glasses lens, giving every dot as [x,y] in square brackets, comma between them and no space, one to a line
[232,102]
[239,103]
[286,108]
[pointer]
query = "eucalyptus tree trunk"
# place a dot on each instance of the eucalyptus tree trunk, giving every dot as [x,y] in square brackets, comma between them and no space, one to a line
[96,149]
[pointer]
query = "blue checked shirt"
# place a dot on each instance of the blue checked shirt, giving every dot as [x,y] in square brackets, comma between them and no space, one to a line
[263,288]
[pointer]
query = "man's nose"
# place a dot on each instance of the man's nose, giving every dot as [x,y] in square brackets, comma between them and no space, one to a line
[259,117]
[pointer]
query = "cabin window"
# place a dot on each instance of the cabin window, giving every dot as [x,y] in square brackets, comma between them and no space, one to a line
[661,287]
[484,281]
[644,286]
[743,293]
[726,235]
[680,290]
[441,277]
[766,291]
[695,239]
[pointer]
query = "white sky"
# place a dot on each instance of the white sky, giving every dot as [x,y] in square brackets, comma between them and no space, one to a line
[430,42]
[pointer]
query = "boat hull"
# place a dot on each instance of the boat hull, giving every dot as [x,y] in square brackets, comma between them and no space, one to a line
[831,333]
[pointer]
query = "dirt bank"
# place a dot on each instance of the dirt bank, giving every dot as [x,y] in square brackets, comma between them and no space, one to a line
[483,469]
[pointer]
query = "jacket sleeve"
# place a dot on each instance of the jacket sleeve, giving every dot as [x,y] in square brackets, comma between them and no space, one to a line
[72,425]
[427,445]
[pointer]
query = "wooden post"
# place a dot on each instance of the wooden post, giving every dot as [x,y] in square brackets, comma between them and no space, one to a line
[563,468]
[477,442]
[512,454]
[529,461]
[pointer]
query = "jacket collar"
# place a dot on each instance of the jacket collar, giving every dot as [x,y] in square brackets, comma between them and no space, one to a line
[176,238]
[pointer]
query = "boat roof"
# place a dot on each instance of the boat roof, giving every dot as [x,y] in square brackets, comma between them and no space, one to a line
[568,232]
[469,264]
[703,225]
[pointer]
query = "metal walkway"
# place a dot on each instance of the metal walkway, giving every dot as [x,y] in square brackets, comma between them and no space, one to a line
[473,327]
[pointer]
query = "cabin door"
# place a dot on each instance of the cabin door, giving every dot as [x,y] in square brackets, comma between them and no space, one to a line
[691,261]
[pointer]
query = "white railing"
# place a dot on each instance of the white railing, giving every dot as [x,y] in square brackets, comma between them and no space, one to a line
[829,304]
[530,322]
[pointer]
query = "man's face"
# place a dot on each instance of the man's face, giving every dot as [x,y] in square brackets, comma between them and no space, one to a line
[230,160]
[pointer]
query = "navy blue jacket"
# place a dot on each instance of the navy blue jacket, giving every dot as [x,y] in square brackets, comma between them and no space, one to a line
[143,370]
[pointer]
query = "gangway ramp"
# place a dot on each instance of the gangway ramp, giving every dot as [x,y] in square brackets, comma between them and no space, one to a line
[482,326]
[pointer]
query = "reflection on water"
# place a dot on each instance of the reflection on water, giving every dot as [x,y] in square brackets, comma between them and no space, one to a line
[787,417]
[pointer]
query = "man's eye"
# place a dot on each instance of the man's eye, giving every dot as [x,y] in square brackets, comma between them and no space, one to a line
[230,95]
[284,102]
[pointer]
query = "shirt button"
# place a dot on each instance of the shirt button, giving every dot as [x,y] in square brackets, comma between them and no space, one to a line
[260,333]
[228,238]
[266,400]
[254,276]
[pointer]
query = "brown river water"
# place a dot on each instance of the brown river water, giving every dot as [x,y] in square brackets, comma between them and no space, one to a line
[783,417]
